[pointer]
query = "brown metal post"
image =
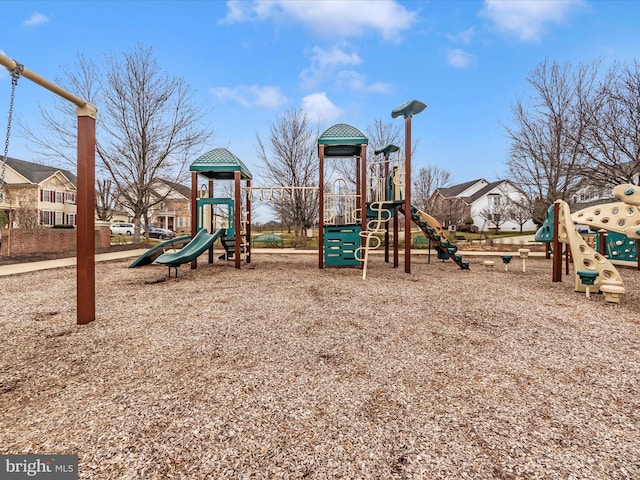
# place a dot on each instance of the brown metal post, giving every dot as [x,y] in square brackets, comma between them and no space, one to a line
[211,220]
[407,195]
[556,273]
[248,247]
[194,212]
[384,194]
[396,234]
[86,207]
[321,208]
[358,189]
[602,237]
[237,227]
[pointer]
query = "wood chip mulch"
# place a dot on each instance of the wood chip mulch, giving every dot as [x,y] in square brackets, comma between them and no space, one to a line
[282,370]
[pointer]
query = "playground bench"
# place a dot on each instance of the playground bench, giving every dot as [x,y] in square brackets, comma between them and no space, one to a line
[269,240]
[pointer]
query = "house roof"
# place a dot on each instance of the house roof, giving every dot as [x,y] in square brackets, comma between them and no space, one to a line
[220,163]
[181,189]
[342,140]
[485,190]
[36,173]
[456,190]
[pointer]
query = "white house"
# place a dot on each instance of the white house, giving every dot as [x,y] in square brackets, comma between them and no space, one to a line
[485,203]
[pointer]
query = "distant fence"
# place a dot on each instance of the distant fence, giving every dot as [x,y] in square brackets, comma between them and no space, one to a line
[27,241]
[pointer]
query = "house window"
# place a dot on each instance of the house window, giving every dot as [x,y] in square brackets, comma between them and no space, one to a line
[59,197]
[59,218]
[46,195]
[70,197]
[71,219]
[180,222]
[47,217]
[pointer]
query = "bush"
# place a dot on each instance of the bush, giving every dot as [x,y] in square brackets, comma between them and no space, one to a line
[465,227]
[61,225]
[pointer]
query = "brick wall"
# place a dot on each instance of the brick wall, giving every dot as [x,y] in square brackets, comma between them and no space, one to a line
[26,241]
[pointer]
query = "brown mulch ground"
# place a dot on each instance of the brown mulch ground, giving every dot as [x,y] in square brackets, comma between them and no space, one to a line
[282,370]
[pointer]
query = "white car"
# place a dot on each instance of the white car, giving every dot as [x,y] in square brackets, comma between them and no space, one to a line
[123,229]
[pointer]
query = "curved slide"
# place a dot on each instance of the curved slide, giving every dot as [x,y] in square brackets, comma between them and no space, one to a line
[148,257]
[192,250]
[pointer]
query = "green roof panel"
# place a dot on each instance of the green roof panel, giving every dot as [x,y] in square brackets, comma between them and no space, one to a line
[220,163]
[342,140]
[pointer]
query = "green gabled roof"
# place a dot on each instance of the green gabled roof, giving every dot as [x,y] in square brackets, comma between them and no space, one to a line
[220,163]
[342,140]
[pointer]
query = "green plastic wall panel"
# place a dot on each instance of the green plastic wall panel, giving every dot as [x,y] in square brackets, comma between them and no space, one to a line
[619,247]
[340,244]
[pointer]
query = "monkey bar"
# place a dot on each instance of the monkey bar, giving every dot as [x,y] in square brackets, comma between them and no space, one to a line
[86,202]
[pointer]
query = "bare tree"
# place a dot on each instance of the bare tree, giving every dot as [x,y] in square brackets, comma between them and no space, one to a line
[425,184]
[290,160]
[612,141]
[105,200]
[497,214]
[546,155]
[25,217]
[520,214]
[148,125]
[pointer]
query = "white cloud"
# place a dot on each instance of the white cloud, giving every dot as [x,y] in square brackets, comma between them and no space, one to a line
[251,96]
[333,66]
[462,37]
[35,19]
[356,82]
[346,18]
[460,59]
[324,64]
[527,19]
[320,108]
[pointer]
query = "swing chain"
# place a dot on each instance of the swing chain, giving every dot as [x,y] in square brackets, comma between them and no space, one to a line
[15,75]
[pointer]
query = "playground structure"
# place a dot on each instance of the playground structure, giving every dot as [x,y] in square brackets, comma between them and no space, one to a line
[353,219]
[593,271]
[85,215]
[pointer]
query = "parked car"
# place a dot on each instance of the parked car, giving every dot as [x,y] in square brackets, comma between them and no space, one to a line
[124,229]
[161,233]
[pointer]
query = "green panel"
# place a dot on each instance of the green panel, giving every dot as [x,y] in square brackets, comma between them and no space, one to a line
[340,245]
[619,247]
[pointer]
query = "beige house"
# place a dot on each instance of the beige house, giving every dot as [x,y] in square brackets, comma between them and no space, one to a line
[38,195]
[171,207]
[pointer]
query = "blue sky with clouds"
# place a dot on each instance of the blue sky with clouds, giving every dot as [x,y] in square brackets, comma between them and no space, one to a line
[341,61]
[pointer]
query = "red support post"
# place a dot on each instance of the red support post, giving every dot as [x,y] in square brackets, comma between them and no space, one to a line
[556,274]
[248,239]
[194,212]
[321,208]
[407,195]
[237,227]
[86,207]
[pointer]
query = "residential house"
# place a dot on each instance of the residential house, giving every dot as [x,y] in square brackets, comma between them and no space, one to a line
[486,203]
[38,195]
[171,206]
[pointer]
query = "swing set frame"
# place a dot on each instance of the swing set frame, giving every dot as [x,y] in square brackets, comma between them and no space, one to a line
[86,202]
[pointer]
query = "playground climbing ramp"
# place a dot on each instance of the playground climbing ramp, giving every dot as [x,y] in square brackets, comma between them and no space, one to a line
[287,371]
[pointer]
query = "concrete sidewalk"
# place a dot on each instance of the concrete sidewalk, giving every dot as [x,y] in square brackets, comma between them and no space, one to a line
[18,268]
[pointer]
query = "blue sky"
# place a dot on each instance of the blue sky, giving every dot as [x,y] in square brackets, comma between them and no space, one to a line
[342,61]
